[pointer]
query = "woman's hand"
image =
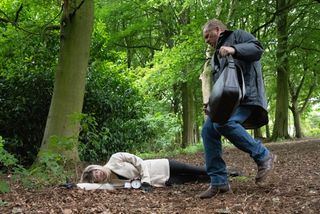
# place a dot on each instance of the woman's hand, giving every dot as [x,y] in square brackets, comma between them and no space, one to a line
[146,187]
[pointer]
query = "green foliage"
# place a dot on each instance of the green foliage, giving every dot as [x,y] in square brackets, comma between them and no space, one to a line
[192,149]
[50,167]
[4,187]
[110,95]
[312,123]
[6,159]
[61,143]
[39,177]
[2,203]
[92,146]
[114,111]
[164,138]
[136,109]
[23,110]
[28,57]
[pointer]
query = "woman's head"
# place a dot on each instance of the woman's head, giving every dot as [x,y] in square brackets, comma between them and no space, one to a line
[95,174]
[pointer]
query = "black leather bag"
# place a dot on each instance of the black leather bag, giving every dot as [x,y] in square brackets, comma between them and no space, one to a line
[226,93]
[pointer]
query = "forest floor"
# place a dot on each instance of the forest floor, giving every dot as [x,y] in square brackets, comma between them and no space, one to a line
[293,187]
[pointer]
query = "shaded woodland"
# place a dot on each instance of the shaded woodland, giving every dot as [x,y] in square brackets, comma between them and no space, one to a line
[82,79]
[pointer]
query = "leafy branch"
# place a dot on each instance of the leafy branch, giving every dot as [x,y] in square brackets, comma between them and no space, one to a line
[7,18]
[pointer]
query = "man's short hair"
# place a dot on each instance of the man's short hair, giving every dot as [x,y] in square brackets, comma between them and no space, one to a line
[213,23]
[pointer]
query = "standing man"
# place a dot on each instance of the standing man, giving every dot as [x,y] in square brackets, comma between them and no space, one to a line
[252,112]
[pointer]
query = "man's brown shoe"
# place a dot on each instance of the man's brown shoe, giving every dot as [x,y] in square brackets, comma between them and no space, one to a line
[214,190]
[265,167]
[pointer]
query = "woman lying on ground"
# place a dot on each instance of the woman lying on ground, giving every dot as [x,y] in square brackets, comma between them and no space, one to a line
[124,166]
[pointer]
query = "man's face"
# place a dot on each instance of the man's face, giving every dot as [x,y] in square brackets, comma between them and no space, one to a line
[211,36]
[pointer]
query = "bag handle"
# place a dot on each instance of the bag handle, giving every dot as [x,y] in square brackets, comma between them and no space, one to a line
[230,61]
[231,64]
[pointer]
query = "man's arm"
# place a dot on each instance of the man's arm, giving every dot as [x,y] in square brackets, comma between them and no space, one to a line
[246,47]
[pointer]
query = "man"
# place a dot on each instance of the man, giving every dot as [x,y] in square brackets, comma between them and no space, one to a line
[252,112]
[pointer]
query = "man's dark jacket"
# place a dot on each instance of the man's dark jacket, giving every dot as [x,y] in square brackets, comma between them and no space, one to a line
[248,51]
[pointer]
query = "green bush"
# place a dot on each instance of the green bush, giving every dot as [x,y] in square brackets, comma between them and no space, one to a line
[26,81]
[164,139]
[24,105]
[114,115]
[110,97]
[4,187]
[6,159]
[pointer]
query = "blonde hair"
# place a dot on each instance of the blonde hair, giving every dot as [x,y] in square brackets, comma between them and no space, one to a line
[87,174]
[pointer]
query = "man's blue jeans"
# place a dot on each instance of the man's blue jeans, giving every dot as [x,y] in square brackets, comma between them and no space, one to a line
[237,135]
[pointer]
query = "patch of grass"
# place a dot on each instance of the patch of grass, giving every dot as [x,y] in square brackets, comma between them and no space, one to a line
[192,149]
[2,203]
[240,178]
[175,152]
[4,187]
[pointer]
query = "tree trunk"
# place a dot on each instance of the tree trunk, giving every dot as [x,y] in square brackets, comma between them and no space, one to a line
[175,106]
[268,135]
[280,129]
[188,115]
[196,133]
[296,120]
[206,80]
[295,93]
[257,133]
[70,78]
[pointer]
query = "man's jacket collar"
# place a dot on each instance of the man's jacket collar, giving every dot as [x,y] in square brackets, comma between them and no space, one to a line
[222,38]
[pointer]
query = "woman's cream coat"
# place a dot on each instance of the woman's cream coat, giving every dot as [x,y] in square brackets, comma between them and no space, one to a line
[155,171]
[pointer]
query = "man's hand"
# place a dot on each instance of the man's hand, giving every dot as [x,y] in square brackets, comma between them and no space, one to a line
[146,187]
[205,108]
[225,51]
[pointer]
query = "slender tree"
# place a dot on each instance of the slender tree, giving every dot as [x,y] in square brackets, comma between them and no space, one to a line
[304,51]
[300,102]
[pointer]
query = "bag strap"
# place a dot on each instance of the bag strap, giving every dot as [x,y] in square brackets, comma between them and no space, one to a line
[243,86]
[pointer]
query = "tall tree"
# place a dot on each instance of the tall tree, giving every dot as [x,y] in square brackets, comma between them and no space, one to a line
[69,86]
[304,52]
[280,129]
[297,109]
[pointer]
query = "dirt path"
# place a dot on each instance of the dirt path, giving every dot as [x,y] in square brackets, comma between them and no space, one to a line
[294,187]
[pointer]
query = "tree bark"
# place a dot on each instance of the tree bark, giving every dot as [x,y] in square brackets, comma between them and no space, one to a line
[188,115]
[280,129]
[70,78]
[258,133]
[296,120]
[295,97]
[268,135]
[206,80]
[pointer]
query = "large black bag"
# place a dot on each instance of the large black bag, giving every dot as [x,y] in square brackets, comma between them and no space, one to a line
[226,93]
